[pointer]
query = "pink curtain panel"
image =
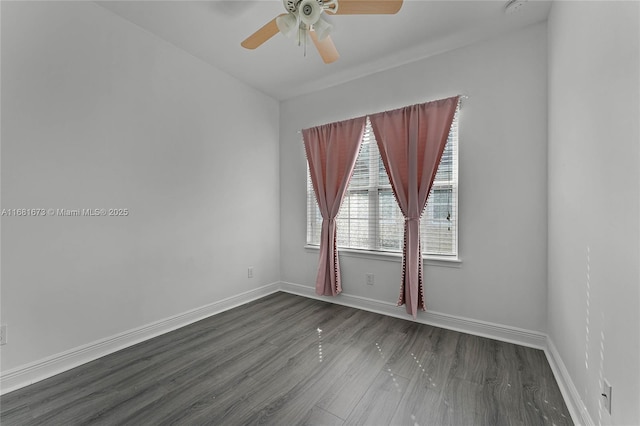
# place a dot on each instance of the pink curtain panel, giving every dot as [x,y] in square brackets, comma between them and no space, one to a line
[331,150]
[411,141]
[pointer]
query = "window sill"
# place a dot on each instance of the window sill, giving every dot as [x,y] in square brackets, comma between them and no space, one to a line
[446,261]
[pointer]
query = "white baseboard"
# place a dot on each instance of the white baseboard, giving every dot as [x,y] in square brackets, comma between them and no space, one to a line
[577,409]
[30,373]
[466,325]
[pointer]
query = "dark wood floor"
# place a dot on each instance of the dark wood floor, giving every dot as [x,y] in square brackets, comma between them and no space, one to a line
[287,360]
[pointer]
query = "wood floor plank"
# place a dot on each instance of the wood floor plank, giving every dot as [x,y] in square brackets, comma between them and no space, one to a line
[474,359]
[146,360]
[290,407]
[121,406]
[319,417]
[163,365]
[542,400]
[334,361]
[54,388]
[504,391]
[380,401]
[423,402]
[287,359]
[418,345]
[211,401]
[463,405]
[342,398]
[344,395]
[275,390]
[16,415]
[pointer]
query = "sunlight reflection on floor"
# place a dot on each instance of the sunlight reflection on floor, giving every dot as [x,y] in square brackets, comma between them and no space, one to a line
[395,382]
[319,344]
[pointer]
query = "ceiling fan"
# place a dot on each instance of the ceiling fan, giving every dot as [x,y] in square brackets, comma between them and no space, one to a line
[305,17]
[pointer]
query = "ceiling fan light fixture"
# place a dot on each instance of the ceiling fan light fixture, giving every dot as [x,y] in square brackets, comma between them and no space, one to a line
[322,28]
[287,24]
[309,11]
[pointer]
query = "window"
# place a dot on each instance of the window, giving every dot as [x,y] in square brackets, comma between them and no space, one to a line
[370,218]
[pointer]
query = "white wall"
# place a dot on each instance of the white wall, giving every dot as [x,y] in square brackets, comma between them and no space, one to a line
[503,157]
[594,195]
[98,113]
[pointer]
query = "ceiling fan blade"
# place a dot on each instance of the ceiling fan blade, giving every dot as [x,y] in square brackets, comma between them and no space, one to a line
[325,47]
[367,7]
[263,34]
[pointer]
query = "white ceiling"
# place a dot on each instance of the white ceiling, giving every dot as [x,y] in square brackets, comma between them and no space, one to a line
[213,30]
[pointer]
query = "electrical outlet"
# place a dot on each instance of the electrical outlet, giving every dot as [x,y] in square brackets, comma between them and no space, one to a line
[3,334]
[606,395]
[250,272]
[370,279]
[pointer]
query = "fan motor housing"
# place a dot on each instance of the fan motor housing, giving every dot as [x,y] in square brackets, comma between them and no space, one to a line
[291,6]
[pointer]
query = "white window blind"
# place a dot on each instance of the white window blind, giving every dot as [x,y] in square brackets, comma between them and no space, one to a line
[370,218]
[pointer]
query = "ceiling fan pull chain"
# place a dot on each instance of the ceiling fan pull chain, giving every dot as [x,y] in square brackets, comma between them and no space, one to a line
[305,33]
